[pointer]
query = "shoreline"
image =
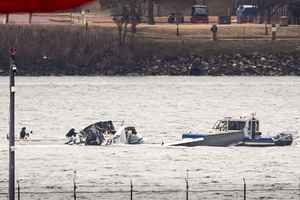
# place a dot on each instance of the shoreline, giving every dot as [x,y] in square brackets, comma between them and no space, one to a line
[64,50]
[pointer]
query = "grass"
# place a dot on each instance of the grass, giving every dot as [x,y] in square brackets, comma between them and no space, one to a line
[69,49]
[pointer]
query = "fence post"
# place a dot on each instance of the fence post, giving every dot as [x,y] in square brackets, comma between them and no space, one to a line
[187,189]
[245,189]
[131,190]
[187,185]
[74,186]
[30,18]
[177,29]
[299,189]
[86,25]
[19,190]
[6,19]
[274,30]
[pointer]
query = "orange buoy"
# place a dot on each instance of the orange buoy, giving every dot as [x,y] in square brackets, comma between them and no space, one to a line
[33,6]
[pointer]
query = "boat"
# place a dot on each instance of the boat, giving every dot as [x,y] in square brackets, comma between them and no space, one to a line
[104,133]
[253,137]
[242,131]
[220,135]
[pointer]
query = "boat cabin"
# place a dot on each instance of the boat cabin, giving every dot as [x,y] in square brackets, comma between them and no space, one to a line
[249,125]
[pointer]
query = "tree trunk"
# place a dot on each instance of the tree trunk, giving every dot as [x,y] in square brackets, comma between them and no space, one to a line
[151,12]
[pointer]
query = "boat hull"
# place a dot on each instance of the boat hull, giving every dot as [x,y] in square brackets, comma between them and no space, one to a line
[219,139]
[264,143]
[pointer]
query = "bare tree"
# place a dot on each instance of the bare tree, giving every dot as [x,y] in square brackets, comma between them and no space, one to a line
[125,13]
[151,12]
[267,9]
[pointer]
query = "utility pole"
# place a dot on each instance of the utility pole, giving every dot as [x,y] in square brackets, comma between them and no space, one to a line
[13,69]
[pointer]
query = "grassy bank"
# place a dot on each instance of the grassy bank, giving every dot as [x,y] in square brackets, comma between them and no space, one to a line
[71,50]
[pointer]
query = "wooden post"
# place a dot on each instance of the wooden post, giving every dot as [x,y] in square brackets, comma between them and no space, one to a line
[245,189]
[11,181]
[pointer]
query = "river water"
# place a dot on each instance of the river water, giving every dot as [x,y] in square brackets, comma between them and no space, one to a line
[161,108]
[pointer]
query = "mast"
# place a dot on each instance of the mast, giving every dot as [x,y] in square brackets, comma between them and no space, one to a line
[12,72]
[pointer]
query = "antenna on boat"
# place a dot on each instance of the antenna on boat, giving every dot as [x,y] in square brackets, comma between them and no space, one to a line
[12,72]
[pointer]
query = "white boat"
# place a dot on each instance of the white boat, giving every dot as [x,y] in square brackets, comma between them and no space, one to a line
[242,131]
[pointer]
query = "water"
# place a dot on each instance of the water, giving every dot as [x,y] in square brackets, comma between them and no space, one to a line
[161,108]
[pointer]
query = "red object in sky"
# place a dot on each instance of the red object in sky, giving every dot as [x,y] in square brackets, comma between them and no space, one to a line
[33,6]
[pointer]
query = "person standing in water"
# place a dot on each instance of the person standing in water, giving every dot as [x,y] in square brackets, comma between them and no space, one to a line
[23,134]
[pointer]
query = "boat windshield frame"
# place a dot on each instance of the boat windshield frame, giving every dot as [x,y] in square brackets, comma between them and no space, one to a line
[225,124]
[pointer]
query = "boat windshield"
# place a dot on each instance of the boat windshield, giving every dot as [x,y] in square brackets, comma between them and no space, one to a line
[236,125]
[229,125]
[220,125]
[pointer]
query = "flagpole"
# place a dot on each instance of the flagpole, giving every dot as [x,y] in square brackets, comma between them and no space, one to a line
[12,71]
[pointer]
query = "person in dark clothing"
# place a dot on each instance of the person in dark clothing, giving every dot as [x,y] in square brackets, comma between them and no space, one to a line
[23,133]
[71,133]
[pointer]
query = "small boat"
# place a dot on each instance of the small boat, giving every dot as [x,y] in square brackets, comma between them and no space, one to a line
[281,139]
[253,137]
[104,133]
[243,131]
[220,135]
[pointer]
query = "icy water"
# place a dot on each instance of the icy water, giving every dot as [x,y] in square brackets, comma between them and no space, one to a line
[161,108]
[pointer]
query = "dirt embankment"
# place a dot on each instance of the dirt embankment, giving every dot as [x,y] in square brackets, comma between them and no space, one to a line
[71,50]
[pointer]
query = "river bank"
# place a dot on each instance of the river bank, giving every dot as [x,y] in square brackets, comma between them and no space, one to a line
[71,50]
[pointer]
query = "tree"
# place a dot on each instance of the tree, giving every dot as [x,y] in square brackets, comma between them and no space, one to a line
[267,9]
[125,13]
[151,12]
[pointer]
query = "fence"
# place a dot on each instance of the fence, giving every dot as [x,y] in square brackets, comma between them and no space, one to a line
[187,192]
[163,31]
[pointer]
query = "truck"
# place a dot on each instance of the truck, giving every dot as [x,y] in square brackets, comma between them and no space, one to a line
[199,14]
[246,14]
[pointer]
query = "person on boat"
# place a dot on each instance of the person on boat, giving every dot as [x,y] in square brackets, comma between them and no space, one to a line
[71,135]
[23,134]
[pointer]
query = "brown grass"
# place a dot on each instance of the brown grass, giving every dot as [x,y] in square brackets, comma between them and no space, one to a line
[59,49]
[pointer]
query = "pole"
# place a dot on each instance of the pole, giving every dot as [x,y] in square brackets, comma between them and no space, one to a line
[244,189]
[6,19]
[30,18]
[299,189]
[131,190]
[11,181]
[19,190]
[274,30]
[74,186]
[187,185]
